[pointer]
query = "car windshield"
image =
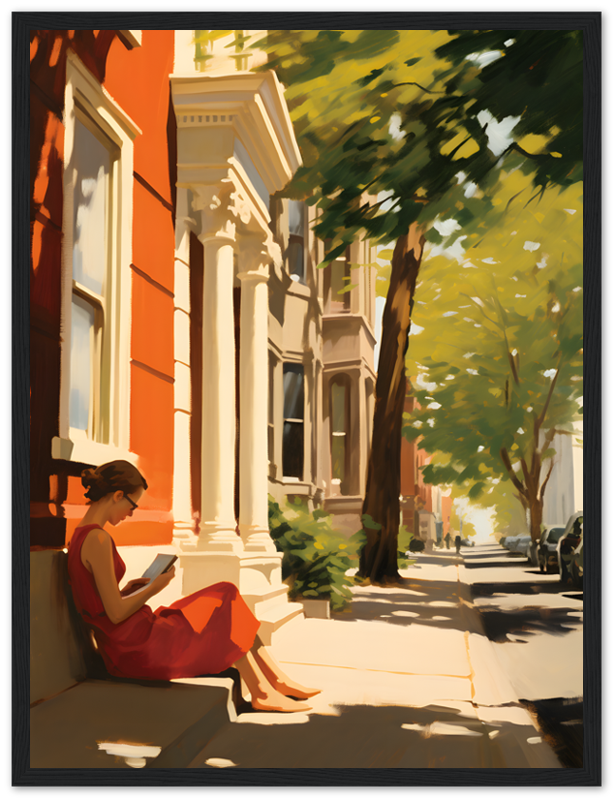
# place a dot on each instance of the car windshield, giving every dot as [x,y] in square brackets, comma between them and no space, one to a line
[555,534]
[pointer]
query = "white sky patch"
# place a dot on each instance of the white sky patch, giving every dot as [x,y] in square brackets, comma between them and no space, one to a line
[542,263]
[513,233]
[571,210]
[472,372]
[395,130]
[556,308]
[423,383]
[380,304]
[434,405]
[481,518]
[446,226]
[531,246]
[490,260]
[577,289]
[450,378]
[477,325]
[514,352]
[453,251]
[520,430]
[520,295]
[431,422]
[461,176]
[482,59]
[470,189]
[480,448]
[509,42]
[469,265]
[549,373]
[468,355]
[449,314]
[529,408]
[415,329]
[498,133]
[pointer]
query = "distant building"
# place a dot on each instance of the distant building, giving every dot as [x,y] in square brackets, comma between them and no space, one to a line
[564,492]
[413,486]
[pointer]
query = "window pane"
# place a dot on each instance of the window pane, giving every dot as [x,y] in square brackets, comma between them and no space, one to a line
[292,450]
[295,260]
[338,408]
[293,391]
[339,298]
[90,221]
[338,456]
[81,346]
[296,217]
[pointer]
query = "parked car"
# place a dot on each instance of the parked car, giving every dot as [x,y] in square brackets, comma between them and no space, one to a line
[547,547]
[520,544]
[567,544]
[523,545]
[467,543]
[510,542]
[576,564]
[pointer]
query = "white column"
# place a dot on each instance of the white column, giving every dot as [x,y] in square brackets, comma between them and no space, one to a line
[182,495]
[253,393]
[217,527]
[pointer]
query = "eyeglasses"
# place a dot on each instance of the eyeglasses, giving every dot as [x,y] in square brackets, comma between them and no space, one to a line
[132,502]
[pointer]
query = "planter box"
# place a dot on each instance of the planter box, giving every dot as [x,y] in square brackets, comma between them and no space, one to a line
[315,609]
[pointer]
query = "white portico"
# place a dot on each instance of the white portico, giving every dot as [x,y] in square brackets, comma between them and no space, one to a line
[235,147]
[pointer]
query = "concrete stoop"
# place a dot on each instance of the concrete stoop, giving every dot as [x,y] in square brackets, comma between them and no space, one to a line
[103,724]
[273,609]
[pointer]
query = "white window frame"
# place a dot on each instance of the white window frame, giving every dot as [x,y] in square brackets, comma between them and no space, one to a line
[85,96]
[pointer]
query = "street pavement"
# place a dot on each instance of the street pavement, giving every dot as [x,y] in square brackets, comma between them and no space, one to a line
[408,678]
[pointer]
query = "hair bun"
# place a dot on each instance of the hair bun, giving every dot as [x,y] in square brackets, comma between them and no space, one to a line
[89,477]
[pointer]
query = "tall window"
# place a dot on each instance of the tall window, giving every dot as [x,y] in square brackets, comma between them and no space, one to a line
[296,240]
[339,431]
[337,283]
[293,441]
[271,410]
[94,423]
[93,155]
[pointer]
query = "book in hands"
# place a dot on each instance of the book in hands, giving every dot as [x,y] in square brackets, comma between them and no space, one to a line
[162,563]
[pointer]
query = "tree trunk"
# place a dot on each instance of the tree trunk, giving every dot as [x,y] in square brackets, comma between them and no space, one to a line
[379,556]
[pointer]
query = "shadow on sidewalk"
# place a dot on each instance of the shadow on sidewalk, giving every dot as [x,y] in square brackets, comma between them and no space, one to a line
[432,603]
[528,621]
[366,736]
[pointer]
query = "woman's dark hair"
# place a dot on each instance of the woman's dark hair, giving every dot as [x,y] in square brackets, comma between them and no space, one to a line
[116,476]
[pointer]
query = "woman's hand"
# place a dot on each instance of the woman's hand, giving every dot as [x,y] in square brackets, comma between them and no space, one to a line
[133,585]
[162,581]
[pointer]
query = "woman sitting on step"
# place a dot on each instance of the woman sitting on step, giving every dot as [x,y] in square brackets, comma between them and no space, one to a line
[201,634]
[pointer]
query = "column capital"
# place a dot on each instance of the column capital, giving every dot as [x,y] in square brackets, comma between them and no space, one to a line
[214,201]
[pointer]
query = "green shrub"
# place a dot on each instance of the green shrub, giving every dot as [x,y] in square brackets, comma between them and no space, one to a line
[406,541]
[316,556]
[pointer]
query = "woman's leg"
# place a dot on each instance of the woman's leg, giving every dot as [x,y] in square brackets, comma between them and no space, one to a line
[278,679]
[264,696]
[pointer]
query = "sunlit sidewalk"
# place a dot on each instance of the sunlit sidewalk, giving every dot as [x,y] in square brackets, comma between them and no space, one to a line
[408,680]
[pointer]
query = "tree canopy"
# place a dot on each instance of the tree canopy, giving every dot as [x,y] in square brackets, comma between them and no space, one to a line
[401,113]
[400,130]
[501,340]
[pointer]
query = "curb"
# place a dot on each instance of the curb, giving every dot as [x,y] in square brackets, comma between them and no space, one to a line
[493,695]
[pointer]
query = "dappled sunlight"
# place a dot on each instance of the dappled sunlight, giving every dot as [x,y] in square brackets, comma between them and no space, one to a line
[438,735]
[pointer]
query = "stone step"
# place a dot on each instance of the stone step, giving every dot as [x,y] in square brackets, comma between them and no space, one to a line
[112,724]
[261,602]
[274,618]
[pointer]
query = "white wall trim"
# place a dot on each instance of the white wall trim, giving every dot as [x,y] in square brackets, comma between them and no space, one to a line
[82,89]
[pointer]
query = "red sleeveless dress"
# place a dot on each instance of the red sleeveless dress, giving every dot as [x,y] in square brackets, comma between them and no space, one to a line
[201,634]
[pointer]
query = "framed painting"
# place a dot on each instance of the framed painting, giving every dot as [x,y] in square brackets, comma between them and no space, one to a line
[302,356]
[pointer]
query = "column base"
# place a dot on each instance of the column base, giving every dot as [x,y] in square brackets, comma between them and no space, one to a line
[257,539]
[200,569]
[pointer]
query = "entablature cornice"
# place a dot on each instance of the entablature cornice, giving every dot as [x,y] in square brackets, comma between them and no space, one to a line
[240,116]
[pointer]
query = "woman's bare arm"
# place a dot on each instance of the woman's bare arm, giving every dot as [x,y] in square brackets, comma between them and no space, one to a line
[97,552]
